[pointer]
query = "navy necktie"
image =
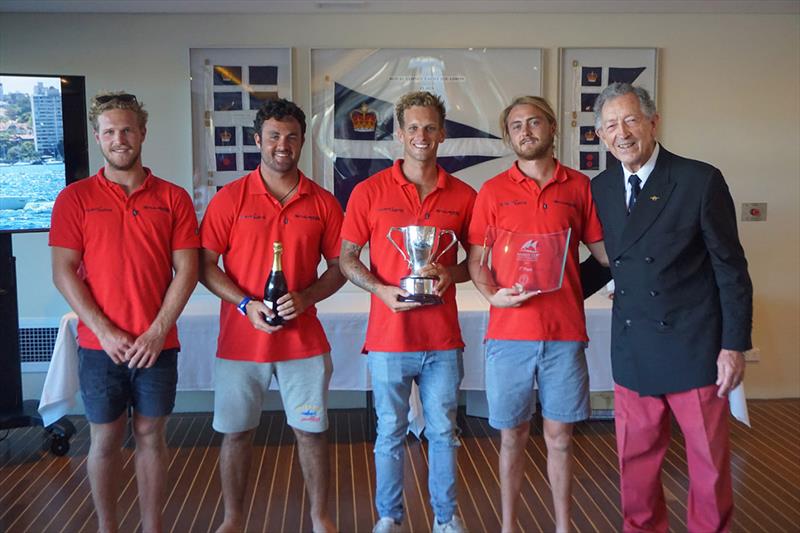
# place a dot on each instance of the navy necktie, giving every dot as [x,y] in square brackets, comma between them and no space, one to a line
[635,190]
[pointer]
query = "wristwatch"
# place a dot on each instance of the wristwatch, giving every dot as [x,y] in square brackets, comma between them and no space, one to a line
[242,307]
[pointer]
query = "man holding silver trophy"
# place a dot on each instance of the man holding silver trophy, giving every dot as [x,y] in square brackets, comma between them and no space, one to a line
[529,220]
[413,333]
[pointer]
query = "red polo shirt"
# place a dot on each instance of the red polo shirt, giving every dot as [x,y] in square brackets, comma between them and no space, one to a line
[387,200]
[514,202]
[241,223]
[126,243]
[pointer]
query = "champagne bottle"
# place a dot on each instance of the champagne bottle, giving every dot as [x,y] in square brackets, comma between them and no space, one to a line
[276,285]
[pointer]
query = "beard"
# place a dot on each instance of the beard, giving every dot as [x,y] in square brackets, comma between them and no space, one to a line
[532,152]
[282,167]
[124,163]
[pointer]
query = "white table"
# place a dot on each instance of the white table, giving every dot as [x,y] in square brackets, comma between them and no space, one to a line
[344,317]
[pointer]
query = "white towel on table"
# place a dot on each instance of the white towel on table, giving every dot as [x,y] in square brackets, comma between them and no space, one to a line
[61,384]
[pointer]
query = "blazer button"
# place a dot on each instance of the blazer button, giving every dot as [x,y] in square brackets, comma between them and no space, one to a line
[648,259]
[653,293]
[628,323]
[621,292]
[617,262]
[662,324]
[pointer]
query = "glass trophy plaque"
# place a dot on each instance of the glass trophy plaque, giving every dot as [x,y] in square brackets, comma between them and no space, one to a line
[533,262]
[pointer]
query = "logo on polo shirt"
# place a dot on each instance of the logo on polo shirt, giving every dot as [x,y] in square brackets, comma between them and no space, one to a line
[562,202]
[156,208]
[451,212]
[98,209]
[391,209]
[254,216]
[513,203]
[307,217]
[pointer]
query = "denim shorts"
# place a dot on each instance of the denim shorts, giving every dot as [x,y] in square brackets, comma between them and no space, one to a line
[107,388]
[558,368]
[240,387]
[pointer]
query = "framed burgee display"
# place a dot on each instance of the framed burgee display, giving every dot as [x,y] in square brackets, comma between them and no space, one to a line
[584,73]
[228,86]
[354,92]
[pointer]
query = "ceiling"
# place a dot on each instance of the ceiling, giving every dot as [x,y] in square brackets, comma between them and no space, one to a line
[400,6]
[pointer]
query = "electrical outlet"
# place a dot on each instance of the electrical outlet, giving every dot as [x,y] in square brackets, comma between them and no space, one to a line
[754,211]
[753,355]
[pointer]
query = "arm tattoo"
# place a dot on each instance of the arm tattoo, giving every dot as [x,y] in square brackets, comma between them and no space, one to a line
[354,269]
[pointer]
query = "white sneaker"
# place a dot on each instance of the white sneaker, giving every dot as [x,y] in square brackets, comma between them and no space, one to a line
[386,525]
[453,526]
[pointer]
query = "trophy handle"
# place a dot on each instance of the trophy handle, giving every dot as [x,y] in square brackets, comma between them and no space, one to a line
[391,240]
[453,241]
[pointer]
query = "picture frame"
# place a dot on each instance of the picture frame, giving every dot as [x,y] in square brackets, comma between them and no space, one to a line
[228,85]
[583,74]
[354,92]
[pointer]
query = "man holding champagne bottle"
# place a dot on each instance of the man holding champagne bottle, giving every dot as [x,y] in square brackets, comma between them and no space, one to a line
[276,216]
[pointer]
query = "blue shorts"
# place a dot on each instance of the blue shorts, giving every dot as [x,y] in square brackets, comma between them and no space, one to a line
[107,388]
[558,368]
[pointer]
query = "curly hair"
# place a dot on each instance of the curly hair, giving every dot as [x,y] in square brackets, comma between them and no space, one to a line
[421,99]
[279,109]
[108,100]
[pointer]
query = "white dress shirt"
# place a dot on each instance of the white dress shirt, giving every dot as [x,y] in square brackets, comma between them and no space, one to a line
[643,173]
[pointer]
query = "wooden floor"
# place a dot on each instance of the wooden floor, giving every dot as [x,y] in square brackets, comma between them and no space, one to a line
[41,493]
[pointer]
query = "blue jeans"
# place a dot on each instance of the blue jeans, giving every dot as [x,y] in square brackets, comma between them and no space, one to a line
[438,375]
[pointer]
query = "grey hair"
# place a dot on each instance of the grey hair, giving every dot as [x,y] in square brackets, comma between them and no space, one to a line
[617,89]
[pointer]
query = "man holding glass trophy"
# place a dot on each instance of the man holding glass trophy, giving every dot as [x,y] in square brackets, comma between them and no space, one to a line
[524,259]
[413,333]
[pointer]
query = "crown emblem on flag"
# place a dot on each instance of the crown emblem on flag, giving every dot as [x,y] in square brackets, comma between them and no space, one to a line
[590,135]
[364,119]
[591,76]
[225,136]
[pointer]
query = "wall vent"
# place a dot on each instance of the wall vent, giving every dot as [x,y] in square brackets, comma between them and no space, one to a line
[36,344]
[37,337]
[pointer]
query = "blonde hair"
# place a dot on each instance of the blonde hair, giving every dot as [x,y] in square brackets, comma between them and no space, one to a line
[536,101]
[108,100]
[421,99]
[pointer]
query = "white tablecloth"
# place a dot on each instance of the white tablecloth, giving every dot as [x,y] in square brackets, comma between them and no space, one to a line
[344,317]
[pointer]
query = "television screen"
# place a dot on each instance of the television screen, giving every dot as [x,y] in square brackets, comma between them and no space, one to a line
[43,146]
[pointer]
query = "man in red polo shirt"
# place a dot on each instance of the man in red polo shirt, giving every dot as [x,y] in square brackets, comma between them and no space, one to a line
[535,339]
[116,238]
[274,203]
[407,341]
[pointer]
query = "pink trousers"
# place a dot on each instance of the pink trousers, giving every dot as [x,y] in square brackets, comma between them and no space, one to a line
[643,436]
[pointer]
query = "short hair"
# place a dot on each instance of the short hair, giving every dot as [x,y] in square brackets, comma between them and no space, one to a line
[108,100]
[279,109]
[535,101]
[420,99]
[617,89]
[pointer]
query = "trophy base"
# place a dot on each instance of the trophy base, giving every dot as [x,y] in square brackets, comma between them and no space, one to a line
[424,299]
[420,289]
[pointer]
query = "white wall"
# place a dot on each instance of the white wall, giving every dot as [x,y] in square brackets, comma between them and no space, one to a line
[729,93]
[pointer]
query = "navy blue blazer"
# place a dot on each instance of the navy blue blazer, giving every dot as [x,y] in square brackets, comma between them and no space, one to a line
[682,288]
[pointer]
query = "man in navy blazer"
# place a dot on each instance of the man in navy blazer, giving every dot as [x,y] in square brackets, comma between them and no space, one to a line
[682,313]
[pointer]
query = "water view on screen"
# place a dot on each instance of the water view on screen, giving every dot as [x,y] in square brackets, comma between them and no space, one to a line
[31,151]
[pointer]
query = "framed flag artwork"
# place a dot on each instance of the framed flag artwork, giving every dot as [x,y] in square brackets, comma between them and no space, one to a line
[354,92]
[584,73]
[228,86]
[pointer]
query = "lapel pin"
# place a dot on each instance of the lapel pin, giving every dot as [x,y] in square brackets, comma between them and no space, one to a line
[654,198]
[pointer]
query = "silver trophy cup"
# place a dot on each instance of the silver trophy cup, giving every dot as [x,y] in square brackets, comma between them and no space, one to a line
[420,243]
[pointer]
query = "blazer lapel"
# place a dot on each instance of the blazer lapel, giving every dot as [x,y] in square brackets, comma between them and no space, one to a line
[613,192]
[652,199]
